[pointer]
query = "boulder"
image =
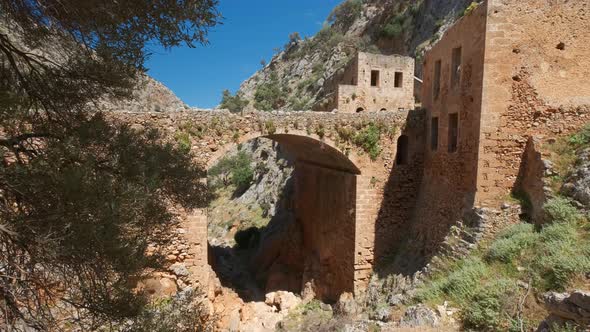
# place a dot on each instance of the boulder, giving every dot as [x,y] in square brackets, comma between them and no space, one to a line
[577,185]
[158,287]
[346,305]
[573,306]
[419,316]
[284,301]
[179,269]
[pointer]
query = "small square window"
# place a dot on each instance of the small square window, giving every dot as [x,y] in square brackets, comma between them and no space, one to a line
[399,79]
[374,78]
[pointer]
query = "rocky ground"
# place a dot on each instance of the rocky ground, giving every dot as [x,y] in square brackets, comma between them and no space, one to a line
[239,293]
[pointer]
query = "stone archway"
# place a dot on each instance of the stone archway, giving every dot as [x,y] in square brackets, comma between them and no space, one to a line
[325,196]
[327,142]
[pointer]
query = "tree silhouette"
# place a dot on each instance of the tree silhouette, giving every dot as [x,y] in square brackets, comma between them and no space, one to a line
[80,195]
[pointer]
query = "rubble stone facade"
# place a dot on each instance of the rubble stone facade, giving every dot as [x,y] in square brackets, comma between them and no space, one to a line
[508,71]
[348,204]
[505,72]
[374,83]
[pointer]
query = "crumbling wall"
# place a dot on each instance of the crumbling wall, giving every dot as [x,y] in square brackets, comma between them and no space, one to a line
[537,64]
[353,90]
[318,140]
[531,186]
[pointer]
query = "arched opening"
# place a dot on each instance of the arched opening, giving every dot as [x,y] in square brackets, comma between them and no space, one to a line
[282,218]
[401,158]
[383,110]
[360,110]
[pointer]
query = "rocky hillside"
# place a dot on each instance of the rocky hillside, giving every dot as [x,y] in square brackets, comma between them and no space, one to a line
[267,168]
[148,95]
[297,78]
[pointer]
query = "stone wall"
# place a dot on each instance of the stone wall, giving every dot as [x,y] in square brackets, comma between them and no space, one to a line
[325,206]
[353,90]
[449,180]
[532,186]
[346,238]
[537,64]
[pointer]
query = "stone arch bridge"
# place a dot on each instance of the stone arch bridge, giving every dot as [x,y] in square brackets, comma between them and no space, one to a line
[353,194]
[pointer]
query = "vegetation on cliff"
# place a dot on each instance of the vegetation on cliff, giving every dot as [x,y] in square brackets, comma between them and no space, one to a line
[302,72]
[498,286]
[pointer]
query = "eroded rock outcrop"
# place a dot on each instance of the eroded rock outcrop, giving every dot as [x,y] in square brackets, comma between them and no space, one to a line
[577,185]
[566,308]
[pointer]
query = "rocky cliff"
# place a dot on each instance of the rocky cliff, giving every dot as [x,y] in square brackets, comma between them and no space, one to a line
[148,95]
[302,71]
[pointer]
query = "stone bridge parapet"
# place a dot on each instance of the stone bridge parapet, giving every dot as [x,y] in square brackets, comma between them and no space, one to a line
[356,181]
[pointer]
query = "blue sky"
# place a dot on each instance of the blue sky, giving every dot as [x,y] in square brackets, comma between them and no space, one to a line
[251,30]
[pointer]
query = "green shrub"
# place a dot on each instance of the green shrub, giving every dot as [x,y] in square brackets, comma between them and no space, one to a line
[270,127]
[562,254]
[236,170]
[392,29]
[512,242]
[345,133]
[183,139]
[234,104]
[462,283]
[459,283]
[470,8]
[346,13]
[183,313]
[299,104]
[368,140]
[580,138]
[488,305]
[560,209]
[320,130]
[404,20]
[294,38]
[270,95]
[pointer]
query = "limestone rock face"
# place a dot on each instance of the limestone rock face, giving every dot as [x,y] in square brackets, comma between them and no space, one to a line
[419,316]
[283,301]
[276,167]
[573,307]
[346,305]
[148,95]
[308,67]
[577,186]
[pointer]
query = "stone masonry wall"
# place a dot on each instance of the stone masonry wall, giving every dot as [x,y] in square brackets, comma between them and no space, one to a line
[353,88]
[320,140]
[537,64]
[325,206]
[532,184]
[449,180]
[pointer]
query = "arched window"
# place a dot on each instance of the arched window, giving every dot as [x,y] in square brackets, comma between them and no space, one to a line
[401,157]
[384,110]
[360,110]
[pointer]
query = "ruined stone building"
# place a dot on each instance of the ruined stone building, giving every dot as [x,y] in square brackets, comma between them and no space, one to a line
[506,72]
[373,83]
